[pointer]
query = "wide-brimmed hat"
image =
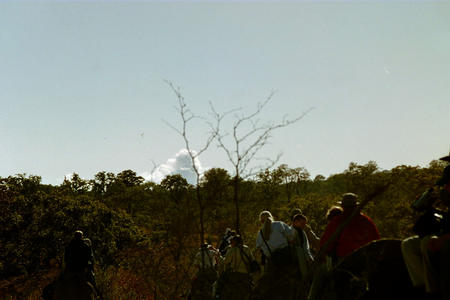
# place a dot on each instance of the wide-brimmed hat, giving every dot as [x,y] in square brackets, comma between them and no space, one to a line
[78,234]
[445,158]
[445,176]
[349,200]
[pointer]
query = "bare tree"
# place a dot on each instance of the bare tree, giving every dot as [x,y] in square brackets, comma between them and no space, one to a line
[187,116]
[247,137]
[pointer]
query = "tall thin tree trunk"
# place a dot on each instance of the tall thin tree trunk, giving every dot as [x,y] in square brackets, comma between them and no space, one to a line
[236,202]
[202,211]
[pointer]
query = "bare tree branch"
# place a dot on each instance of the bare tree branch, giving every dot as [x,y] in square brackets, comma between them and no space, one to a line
[248,137]
[188,116]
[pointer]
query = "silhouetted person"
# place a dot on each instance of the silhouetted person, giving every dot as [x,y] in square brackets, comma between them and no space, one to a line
[78,255]
[225,242]
[358,232]
[333,212]
[313,239]
[303,254]
[274,239]
[427,255]
[206,261]
[79,260]
[236,284]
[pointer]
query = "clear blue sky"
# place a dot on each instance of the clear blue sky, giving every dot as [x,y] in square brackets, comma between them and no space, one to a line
[82,84]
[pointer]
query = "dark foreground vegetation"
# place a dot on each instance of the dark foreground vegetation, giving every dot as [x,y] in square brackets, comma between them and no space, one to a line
[145,235]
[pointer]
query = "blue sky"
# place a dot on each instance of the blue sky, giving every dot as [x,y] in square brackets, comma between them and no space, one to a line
[82,84]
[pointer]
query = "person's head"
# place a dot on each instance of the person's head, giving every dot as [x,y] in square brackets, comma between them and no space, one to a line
[299,221]
[444,182]
[264,216]
[445,178]
[78,235]
[236,240]
[294,212]
[333,212]
[227,231]
[231,235]
[349,201]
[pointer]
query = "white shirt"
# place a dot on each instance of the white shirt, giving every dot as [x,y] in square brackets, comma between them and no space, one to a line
[279,237]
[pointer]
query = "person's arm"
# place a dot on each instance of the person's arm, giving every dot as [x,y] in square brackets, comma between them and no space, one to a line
[220,260]
[329,230]
[372,229]
[313,239]
[307,247]
[90,253]
[249,253]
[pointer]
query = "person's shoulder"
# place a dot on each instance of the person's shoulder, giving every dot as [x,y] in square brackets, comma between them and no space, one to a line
[363,216]
[279,223]
[246,249]
[87,243]
[364,219]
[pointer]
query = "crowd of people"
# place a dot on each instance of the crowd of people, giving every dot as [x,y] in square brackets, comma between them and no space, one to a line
[228,272]
[292,248]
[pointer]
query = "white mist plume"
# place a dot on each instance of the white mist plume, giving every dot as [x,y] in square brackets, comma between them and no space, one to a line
[181,164]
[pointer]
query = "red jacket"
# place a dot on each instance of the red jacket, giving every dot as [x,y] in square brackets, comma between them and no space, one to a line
[360,231]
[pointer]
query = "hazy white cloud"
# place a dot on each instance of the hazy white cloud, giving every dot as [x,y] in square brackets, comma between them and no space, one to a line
[67,176]
[60,180]
[181,164]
